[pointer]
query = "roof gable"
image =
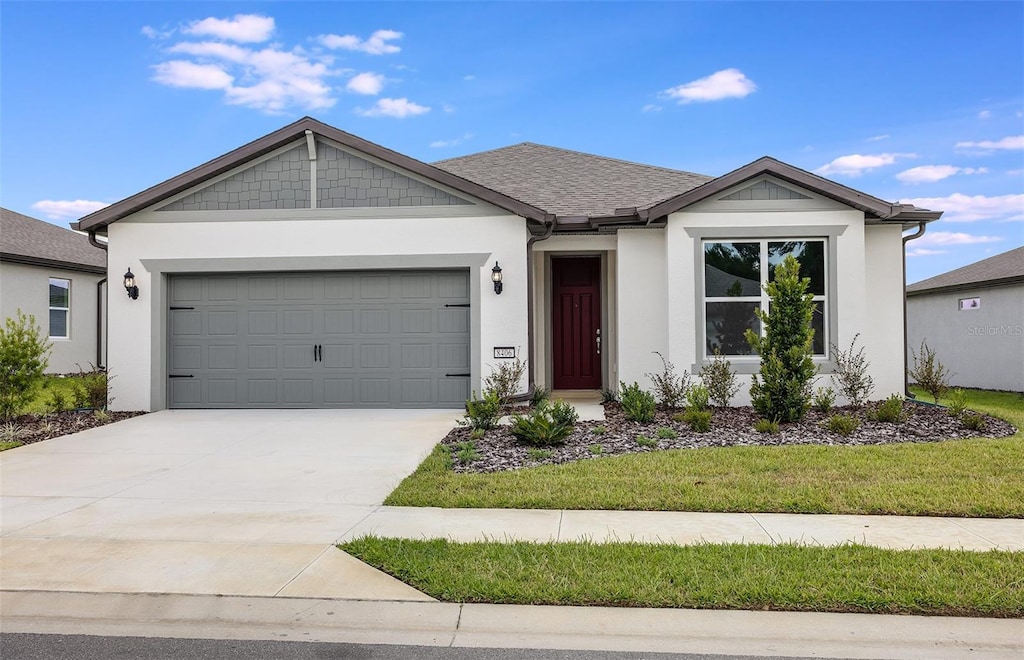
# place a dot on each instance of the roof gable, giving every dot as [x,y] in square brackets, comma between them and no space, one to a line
[33,241]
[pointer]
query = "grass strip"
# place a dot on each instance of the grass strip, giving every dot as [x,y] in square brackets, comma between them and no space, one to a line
[848,578]
[10,444]
[978,477]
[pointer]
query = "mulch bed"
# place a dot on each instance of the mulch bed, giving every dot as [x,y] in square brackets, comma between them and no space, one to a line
[36,428]
[730,427]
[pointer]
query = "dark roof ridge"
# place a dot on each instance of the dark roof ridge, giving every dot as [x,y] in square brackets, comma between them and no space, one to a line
[1003,268]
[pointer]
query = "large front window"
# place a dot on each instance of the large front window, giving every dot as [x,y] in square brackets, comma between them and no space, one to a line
[735,273]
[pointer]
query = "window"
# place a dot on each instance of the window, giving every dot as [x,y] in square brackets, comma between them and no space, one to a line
[735,273]
[60,308]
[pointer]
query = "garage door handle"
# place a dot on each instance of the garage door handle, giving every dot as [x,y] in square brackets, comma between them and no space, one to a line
[173,308]
[456,375]
[180,376]
[457,305]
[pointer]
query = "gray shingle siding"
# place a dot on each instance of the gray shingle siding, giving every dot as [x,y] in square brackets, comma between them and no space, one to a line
[281,182]
[764,190]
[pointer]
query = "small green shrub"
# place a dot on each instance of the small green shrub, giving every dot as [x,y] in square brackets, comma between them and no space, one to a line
[842,424]
[973,421]
[595,449]
[505,378]
[665,433]
[697,398]
[482,413]
[637,404]
[670,388]
[718,376]
[929,373]
[58,401]
[609,395]
[477,434]
[101,415]
[644,441]
[95,385]
[679,417]
[563,412]
[539,427]
[535,454]
[824,399]
[957,403]
[890,410]
[466,451]
[699,420]
[769,426]
[539,394]
[24,353]
[599,430]
[10,432]
[851,373]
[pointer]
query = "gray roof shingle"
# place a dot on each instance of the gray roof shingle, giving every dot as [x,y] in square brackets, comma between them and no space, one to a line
[571,183]
[23,236]
[1005,267]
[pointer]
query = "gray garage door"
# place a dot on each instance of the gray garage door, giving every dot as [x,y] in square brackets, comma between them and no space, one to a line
[387,339]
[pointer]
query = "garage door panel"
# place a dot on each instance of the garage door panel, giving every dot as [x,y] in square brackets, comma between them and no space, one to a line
[385,339]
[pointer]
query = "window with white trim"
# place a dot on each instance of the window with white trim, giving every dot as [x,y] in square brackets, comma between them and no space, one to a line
[60,308]
[735,272]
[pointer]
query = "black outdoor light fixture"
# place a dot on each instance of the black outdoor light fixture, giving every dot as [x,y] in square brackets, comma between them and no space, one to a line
[496,278]
[129,285]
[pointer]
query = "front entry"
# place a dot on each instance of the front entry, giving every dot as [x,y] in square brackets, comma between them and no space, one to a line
[576,322]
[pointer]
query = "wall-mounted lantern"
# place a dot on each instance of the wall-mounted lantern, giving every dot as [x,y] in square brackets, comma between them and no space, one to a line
[129,285]
[496,278]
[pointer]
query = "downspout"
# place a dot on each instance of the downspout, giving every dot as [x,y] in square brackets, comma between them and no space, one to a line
[101,321]
[906,353]
[530,350]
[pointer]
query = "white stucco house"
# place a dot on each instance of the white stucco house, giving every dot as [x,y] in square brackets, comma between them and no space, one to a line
[56,276]
[312,268]
[973,318]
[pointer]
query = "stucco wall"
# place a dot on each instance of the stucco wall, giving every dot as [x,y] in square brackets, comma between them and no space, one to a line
[27,288]
[321,239]
[984,347]
[644,304]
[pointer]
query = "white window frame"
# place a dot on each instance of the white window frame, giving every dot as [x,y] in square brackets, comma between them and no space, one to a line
[51,309]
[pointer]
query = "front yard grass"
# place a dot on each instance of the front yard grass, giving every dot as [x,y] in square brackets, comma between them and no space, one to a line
[979,477]
[849,578]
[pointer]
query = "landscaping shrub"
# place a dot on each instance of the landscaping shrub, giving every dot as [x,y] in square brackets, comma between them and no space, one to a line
[599,430]
[95,388]
[505,378]
[539,428]
[24,355]
[766,426]
[929,373]
[564,413]
[824,399]
[535,454]
[644,441]
[608,395]
[637,404]
[842,424]
[697,398]
[957,403]
[890,410]
[482,413]
[699,420]
[851,373]
[782,389]
[665,433]
[58,401]
[595,449]
[539,394]
[718,376]
[670,388]
[466,451]
[477,434]
[973,421]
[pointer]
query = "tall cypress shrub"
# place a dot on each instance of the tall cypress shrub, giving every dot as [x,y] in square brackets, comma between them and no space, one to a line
[782,390]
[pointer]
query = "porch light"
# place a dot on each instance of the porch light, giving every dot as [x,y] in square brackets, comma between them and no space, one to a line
[496,278]
[129,285]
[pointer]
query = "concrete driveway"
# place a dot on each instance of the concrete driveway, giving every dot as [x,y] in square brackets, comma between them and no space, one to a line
[240,502]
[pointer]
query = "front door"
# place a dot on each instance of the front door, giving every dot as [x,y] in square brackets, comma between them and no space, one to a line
[576,322]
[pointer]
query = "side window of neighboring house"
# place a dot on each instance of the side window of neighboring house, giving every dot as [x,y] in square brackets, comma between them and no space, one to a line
[735,273]
[60,308]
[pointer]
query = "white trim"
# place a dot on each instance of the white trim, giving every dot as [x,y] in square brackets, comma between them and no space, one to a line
[285,215]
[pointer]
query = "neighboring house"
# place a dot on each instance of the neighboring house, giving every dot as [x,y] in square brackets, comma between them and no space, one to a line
[311,268]
[973,317]
[54,275]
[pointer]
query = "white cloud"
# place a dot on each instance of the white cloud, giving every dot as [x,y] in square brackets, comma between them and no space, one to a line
[244,28]
[985,114]
[725,84]
[377,44]
[933,239]
[366,83]
[878,138]
[924,252]
[1015,172]
[932,173]
[650,107]
[857,164]
[1010,143]
[451,143]
[398,108]
[971,208]
[469,77]
[180,73]
[67,209]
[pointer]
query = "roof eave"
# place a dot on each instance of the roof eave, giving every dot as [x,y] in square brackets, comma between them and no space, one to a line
[964,286]
[43,262]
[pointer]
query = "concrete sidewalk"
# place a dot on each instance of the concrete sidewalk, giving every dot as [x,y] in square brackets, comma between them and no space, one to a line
[513,626]
[896,532]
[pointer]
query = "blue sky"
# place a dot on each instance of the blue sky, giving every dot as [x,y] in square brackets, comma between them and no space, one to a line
[919,102]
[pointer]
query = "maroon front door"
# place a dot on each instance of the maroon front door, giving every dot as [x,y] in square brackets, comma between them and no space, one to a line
[576,322]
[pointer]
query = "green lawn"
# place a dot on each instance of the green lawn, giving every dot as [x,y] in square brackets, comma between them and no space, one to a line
[977,477]
[43,394]
[848,578]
